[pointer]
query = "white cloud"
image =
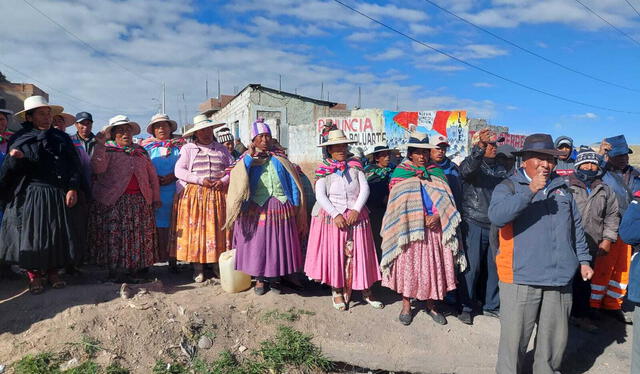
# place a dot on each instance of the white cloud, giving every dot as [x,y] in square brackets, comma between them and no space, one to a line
[512,107]
[587,115]
[420,29]
[366,36]
[391,53]
[482,84]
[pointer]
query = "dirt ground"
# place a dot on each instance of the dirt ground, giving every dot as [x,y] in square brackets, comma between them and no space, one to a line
[151,326]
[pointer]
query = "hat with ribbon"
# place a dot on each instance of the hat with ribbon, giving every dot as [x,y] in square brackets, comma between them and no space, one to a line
[336,137]
[161,117]
[121,120]
[420,140]
[37,101]
[539,143]
[200,122]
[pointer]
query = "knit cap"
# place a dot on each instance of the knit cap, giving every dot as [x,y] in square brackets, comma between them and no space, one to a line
[224,135]
[585,155]
[259,127]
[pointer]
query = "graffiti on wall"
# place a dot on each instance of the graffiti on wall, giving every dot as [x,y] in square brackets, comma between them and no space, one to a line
[365,127]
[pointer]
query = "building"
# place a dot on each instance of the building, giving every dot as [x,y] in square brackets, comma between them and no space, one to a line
[12,97]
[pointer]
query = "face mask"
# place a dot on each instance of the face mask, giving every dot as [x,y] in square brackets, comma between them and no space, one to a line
[588,176]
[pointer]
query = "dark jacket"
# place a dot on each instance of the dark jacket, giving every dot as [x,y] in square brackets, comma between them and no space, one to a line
[624,184]
[541,235]
[630,234]
[565,167]
[599,211]
[479,177]
[454,180]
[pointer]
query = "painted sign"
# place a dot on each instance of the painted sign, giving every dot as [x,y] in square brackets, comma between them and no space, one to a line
[365,126]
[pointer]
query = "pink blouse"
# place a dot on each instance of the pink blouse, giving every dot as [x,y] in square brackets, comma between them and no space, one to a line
[198,162]
[337,193]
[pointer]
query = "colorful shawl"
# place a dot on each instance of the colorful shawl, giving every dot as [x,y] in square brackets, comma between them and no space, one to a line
[151,143]
[376,173]
[4,136]
[132,150]
[330,166]
[407,169]
[403,222]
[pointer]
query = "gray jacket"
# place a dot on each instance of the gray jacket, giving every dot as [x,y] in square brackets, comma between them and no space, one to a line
[541,235]
[599,211]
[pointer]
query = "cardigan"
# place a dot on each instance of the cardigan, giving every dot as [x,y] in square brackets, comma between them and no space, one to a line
[221,159]
[113,172]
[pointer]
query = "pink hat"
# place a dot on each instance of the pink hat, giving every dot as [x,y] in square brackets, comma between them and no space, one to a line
[259,127]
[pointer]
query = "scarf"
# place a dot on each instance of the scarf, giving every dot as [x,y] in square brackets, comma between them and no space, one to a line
[131,150]
[330,166]
[376,173]
[407,170]
[151,143]
[588,176]
[4,136]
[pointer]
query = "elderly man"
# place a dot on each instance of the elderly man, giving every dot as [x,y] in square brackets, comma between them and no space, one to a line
[84,137]
[542,243]
[480,174]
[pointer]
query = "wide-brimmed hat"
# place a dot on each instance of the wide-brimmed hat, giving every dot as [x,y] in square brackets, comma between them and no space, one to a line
[4,110]
[420,140]
[617,146]
[378,149]
[120,120]
[200,122]
[37,101]
[161,117]
[68,118]
[539,143]
[336,137]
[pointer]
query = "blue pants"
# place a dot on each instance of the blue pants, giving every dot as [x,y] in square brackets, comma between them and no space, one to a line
[480,280]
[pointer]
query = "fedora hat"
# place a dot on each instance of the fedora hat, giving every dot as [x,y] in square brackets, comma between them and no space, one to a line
[378,149]
[120,120]
[37,101]
[539,143]
[336,137]
[200,122]
[68,118]
[161,117]
[420,140]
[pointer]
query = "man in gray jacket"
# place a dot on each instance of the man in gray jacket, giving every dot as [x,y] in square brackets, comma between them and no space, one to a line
[541,245]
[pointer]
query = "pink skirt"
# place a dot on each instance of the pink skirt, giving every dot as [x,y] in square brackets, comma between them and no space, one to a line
[325,252]
[424,270]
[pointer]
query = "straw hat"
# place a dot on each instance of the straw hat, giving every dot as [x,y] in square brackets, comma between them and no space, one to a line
[420,140]
[68,118]
[120,120]
[336,137]
[200,122]
[161,117]
[33,102]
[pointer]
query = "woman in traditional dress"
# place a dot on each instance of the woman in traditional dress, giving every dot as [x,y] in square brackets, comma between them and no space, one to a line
[419,233]
[267,206]
[341,251]
[200,201]
[164,150]
[39,180]
[378,173]
[126,191]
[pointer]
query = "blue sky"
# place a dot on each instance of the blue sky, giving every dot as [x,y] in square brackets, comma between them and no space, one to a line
[183,42]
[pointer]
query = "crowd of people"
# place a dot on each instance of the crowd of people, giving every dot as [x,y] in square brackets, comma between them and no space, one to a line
[541,236]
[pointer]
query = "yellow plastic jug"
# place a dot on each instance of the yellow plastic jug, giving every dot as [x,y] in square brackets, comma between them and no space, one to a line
[232,281]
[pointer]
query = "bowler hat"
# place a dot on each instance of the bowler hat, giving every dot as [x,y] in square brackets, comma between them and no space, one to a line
[539,143]
[420,140]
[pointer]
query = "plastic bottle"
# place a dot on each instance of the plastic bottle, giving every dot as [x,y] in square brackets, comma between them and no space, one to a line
[232,281]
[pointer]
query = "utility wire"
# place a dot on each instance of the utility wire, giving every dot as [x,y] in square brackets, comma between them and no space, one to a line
[530,51]
[87,44]
[632,7]
[473,66]
[609,23]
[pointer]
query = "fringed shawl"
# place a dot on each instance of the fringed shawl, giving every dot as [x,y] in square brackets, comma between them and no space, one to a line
[403,222]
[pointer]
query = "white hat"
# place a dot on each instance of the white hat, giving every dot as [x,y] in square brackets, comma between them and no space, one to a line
[420,140]
[336,137]
[68,118]
[200,122]
[161,117]
[33,102]
[120,120]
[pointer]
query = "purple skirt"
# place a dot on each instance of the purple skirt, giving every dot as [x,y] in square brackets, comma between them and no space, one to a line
[266,240]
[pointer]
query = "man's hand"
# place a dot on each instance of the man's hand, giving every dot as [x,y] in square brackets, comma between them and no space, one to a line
[538,182]
[340,222]
[484,137]
[16,153]
[586,271]
[604,247]
[352,217]
[71,198]
[101,137]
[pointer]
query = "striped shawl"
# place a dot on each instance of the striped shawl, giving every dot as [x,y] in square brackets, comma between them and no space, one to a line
[403,222]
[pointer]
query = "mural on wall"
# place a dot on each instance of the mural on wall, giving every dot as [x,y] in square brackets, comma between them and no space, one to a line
[365,126]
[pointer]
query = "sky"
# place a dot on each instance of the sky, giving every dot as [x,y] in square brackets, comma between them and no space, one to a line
[123,50]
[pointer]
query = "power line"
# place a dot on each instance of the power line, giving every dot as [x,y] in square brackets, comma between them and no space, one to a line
[530,51]
[481,68]
[87,44]
[608,23]
[632,7]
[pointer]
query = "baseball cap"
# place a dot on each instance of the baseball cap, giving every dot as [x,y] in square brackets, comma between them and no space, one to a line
[84,116]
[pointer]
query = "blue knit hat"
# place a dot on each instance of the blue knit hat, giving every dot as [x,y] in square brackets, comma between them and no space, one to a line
[619,146]
[585,155]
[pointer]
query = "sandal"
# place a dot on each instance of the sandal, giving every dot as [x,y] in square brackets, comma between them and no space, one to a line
[35,286]
[55,280]
[338,306]
[368,297]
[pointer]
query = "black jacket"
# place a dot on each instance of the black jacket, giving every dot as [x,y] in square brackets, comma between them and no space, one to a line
[479,177]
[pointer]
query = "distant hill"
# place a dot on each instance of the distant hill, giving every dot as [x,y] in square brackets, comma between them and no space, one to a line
[634,158]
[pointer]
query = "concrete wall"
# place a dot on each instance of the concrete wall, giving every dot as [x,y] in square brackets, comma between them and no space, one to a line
[14,95]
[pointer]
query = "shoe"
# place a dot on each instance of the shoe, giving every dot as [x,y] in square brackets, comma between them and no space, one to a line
[338,306]
[437,317]
[491,313]
[198,277]
[618,315]
[368,297]
[405,319]
[466,318]
[585,324]
[260,290]
[275,287]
